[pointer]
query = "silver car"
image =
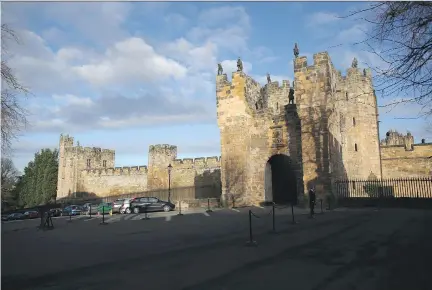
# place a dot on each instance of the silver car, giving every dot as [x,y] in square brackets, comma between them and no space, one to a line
[125,207]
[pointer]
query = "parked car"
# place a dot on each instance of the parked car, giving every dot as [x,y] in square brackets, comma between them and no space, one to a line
[90,207]
[16,216]
[31,214]
[117,204]
[125,208]
[4,217]
[141,204]
[72,210]
[54,212]
[105,207]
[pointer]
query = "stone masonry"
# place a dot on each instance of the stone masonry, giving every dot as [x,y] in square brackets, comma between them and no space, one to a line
[87,171]
[323,133]
[402,158]
[330,133]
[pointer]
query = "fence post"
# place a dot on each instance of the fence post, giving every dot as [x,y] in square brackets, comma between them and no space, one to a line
[90,213]
[208,206]
[103,216]
[251,242]
[321,206]
[146,217]
[273,219]
[180,212]
[70,216]
[292,213]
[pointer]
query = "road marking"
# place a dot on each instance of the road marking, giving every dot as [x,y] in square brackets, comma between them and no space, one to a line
[168,218]
[235,210]
[206,214]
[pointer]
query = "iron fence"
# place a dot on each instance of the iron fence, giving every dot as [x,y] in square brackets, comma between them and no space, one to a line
[420,188]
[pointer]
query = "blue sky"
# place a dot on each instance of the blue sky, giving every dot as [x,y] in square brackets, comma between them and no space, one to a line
[128,75]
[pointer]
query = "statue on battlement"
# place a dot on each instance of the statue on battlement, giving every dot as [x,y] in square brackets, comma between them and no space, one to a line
[354,63]
[239,65]
[220,69]
[291,96]
[364,72]
[296,50]
[268,78]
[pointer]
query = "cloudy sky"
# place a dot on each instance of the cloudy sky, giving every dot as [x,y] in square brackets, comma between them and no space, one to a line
[127,75]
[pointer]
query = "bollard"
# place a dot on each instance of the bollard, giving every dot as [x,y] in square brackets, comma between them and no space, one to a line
[103,216]
[251,242]
[70,216]
[321,206]
[208,206]
[273,219]
[90,211]
[146,217]
[180,212]
[292,213]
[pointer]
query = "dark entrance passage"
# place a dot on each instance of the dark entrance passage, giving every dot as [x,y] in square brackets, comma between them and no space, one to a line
[280,180]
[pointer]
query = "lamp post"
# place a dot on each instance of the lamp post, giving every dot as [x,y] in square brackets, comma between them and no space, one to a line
[169,182]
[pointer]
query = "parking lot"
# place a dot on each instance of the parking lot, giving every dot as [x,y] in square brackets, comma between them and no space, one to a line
[202,250]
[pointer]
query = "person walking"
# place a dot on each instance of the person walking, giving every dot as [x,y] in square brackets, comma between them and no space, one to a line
[312,199]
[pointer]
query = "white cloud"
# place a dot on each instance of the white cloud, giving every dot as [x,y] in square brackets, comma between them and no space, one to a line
[322,18]
[228,27]
[128,61]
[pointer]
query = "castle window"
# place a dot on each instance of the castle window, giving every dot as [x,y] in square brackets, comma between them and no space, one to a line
[277,106]
[104,163]
[355,147]
[354,122]
[256,105]
[88,163]
[346,96]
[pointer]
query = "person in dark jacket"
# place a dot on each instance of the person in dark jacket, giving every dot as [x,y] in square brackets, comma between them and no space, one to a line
[312,199]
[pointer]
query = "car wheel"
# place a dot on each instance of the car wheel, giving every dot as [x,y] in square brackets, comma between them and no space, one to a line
[128,210]
[166,208]
[136,210]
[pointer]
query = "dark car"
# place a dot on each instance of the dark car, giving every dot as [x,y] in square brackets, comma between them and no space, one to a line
[142,204]
[54,212]
[16,216]
[31,214]
[72,210]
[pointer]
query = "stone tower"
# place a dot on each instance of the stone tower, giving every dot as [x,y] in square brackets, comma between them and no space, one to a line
[160,156]
[255,124]
[339,122]
[321,137]
[73,160]
[65,174]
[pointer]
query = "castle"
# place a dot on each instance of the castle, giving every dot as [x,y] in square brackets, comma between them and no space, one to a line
[271,149]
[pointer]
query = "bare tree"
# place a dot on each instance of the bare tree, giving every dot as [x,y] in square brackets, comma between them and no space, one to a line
[401,37]
[9,174]
[13,115]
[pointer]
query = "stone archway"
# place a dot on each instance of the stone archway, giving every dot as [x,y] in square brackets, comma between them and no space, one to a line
[280,180]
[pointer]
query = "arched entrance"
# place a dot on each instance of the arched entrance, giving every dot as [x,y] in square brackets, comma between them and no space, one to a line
[280,180]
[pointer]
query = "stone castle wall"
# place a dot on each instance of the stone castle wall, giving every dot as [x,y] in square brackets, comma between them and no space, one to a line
[86,171]
[401,158]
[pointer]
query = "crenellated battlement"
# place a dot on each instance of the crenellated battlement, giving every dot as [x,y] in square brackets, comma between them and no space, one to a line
[116,171]
[323,59]
[89,150]
[199,162]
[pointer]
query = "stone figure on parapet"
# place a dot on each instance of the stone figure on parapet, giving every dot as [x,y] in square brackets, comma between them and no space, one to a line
[354,63]
[291,96]
[364,72]
[296,50]
[239,65]
[220,69]
[268,78]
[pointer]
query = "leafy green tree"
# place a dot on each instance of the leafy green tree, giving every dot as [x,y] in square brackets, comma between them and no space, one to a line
[38,185]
